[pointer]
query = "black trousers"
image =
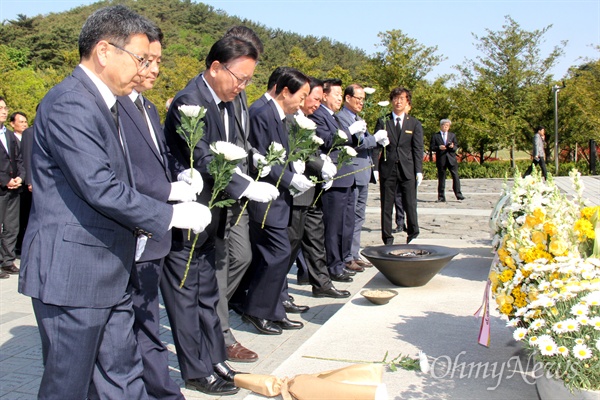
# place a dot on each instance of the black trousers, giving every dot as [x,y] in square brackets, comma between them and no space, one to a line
[387,191]
[541,163]
[441,170]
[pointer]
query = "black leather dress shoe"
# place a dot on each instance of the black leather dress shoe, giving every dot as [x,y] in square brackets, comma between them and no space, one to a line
[264,326]
[343,277]
[288,324]
[331,292]
[291,298]
[440,200]
[293,308]
[348,272]
[225,371]
[212,385]
[389,242]
[460,197]
[412,237]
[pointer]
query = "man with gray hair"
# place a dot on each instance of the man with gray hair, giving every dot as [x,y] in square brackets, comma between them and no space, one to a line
[444,144]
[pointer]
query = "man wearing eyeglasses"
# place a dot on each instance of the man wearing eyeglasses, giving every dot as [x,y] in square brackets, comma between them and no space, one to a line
[12,173]
[80,243]
[199,340]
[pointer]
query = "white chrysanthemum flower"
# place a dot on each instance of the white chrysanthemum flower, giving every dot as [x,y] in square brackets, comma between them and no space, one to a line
[579,309]
[519,334]
[563,351]
[276,146]
[571,325]
[369,90]
[512,323]
[548,348]
[559,327]
[305,122]
[595,322]
[583,320]
[582,352]
[230,151]
[423,362]
[537,324]
[557,283]
[544,285]
[350,151]
[383,103]
[190,111]
[592,299]
[579,341]
[534,341]
[317,140]
[342,134]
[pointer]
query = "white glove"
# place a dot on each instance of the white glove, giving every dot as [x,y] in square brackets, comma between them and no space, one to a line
[329,170]
[182,191]
[376,175]
[301,183]
[358,128]
[380,136]
[419,178]
[191,215]
[261,192]
[327,184]
[299,166]
[194,180]
[259,160]
[385,142]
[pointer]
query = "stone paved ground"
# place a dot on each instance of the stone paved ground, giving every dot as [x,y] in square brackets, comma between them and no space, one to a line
[20,353]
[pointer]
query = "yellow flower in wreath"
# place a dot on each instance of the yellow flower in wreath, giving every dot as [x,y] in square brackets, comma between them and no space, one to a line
[538,237]
[507,275]
[550,229]
[584,228]
[558,247]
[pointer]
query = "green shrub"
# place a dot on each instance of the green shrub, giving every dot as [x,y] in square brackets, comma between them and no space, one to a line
[500,169]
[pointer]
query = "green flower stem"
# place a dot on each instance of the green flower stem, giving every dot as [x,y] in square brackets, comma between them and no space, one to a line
[276,186]
[246,203]
[337,177]
[189,261]
[404,362]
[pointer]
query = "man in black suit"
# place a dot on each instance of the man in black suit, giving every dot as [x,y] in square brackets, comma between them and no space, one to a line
[306,230]
[80,243]
[233,252]
[444,144]
[270,243]
[152,172]
[12,174]
[19,124]
[338,201]
[401,164]
[191,309]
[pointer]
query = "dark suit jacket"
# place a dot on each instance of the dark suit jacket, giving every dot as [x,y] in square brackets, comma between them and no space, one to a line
[197,93]
[150,164]
[327,127]
[406,148]
[258,103]
[266,126]
[80,242]
[26,145]
[364,149]
[443,157]
[11,162]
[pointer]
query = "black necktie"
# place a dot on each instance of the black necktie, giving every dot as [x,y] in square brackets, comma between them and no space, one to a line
[222,111]
[140,106]
[398,125]
[115,114]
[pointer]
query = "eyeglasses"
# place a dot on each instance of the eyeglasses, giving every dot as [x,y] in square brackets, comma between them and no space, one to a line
[360,99]
[4,108]
[143,64]
[241,82]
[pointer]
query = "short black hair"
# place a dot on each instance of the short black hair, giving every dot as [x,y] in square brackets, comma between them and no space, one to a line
[228,48]
[350,89]
[243,32]
[397,91]
[292,79]
[539,128]
[314,82]
[155,34]
[13,116]
[331,82]
[275,76]
[115,24]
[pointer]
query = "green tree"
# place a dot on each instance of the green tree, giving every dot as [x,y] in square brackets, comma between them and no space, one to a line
[508,83]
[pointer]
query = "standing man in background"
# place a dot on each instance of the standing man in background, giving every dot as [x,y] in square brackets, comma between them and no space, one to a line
[539,151]
[18,121]
[12,174]
[401,164]
[444,144]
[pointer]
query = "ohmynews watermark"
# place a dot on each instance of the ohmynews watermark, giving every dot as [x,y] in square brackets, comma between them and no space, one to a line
[446,367]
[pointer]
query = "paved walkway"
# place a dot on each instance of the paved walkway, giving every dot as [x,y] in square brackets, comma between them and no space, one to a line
[436,318]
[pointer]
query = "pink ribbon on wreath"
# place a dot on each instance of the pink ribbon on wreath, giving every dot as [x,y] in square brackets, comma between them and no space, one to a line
[484,329]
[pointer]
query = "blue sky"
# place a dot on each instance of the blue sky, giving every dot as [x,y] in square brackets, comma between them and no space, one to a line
[446,24]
